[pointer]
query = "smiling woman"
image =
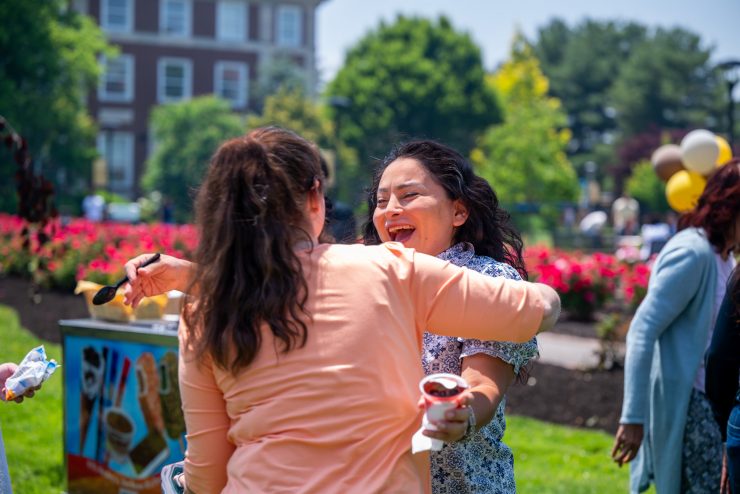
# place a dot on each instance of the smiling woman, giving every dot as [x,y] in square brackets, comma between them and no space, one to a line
[426,196]
[413,208]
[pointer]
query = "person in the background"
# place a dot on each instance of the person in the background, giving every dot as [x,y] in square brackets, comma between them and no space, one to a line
[299,361]
[168,211]
[625,215]
[667,426]
[655,233]
[7,369]
[426,196]
[723,373]
[93,207]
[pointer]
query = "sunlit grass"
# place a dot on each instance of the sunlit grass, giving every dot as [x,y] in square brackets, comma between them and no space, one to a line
[32,430]
[548,458]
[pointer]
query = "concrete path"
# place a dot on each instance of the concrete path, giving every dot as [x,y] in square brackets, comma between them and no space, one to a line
[571,352]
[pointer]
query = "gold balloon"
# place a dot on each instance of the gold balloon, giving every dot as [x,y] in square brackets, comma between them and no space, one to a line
[666,161]
[725,151]
[683,190]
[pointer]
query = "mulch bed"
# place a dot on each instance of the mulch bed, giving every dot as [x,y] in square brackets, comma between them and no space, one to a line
[590,399]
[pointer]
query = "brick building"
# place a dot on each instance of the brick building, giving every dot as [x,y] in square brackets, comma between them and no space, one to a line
[172,50]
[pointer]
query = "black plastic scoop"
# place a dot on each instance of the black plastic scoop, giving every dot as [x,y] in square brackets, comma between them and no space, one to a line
[107,293]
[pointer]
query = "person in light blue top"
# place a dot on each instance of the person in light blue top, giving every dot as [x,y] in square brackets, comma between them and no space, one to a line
[667,429]
[426,196]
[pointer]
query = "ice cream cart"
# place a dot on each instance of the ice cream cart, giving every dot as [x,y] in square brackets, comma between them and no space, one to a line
[122,416]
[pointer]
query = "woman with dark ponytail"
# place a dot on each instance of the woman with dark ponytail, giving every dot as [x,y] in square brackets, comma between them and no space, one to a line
[299,363]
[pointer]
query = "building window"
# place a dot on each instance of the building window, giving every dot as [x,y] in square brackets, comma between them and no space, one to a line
[174,79]
[230,82]
[175,17]
[289,26]
[231,20]
[117,149]
[116,15]
[117,82]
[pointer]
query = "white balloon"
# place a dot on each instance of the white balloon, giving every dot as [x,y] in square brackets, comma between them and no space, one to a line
[699,151]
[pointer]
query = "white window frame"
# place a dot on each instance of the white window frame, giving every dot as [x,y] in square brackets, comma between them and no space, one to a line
[120,141]
[187,21]
[129,67]
[104,11]
[187,88]
[243,89]
[296,39]
[223,16]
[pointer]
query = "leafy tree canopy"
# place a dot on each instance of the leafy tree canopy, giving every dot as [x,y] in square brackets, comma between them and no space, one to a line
[619,79]
[412,78]
[645,186]
[524,157]
[667,82]
[291,109]
[48,63]
[186,136]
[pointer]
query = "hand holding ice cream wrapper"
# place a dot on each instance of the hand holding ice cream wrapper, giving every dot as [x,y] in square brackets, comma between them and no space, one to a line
[33,370]
[441,392]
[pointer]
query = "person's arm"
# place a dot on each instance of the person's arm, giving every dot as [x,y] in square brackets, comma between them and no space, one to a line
[207,424]
[169,273]
[723,363]
[454,301]
[674,282]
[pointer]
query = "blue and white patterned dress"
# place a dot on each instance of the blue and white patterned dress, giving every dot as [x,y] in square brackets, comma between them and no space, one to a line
[481,463]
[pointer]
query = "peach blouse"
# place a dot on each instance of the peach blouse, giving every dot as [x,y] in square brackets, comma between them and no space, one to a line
[337,415]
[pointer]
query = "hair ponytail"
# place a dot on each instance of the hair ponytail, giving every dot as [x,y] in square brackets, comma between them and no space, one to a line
[250,213]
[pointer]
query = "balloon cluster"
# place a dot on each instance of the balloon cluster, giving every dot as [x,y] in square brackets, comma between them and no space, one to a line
[685,168]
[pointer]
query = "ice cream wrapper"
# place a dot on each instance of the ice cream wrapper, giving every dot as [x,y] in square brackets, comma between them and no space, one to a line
[33,370]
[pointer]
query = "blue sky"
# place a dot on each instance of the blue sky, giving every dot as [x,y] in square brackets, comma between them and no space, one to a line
[492,23]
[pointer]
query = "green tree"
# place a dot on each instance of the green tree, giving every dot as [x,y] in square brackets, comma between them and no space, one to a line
[412,78]
[290,108]
[48,63]
[524,157]
[582,64]
[186,136]
[667,83]
[645,186]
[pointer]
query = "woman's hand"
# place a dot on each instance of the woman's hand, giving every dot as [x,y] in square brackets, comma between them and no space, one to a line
[627,443]
[455,425]
[6,370]
[169,273]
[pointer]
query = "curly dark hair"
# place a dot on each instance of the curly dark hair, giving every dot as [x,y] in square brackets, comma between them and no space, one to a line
[488,227]
[718,206]
[250,213]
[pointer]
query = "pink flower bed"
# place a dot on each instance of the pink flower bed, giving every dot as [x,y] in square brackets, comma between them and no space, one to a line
[588,282]
[81,249]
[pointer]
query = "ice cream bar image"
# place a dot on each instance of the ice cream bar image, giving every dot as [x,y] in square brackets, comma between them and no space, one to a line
[93,372]
[148,454]
[169,395]
[148,392]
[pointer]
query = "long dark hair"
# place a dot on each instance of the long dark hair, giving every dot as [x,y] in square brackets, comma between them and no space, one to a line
[718,205]
[250,214]
[488,227]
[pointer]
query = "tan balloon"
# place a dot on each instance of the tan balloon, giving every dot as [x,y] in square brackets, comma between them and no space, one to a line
[666,161]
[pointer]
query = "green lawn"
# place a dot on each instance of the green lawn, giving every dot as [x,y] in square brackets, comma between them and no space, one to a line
[32,430]
[548,458]
[565,460]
